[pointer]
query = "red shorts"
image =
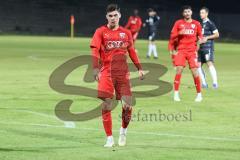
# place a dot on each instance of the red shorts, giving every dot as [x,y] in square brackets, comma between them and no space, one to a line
[108,84]
[182,56]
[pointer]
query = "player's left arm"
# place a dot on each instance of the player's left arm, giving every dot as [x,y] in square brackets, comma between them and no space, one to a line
[157,22]
[214,30]
[134,57]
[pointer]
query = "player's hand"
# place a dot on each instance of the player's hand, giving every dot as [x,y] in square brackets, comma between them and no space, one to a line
[141,74]
[96,74]
[203,40]
[173,52]
[144,25]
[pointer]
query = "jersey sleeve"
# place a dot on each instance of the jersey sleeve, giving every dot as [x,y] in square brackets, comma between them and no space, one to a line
[95,47]
[173,37]
[132,53]
[139,23]
[128,23]
[213,27]
[199,30]
[157,22]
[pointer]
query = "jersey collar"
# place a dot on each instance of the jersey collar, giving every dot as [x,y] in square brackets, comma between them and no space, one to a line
[205,20]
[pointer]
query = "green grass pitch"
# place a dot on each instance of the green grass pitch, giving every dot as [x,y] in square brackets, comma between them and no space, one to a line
[30,130]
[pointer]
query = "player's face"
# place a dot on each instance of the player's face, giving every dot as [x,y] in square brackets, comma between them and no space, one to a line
[151,13]
[187,14]
[113,18]
[135,12]
[203,14]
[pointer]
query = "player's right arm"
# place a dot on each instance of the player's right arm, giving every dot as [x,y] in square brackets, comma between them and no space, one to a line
[173,39]
[128,23]
[95,47]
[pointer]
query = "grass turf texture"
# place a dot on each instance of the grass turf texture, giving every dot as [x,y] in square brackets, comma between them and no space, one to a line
[30,130]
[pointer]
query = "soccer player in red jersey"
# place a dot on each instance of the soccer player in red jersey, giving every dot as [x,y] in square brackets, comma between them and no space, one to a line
[110,45]
[187,32]
[134,24]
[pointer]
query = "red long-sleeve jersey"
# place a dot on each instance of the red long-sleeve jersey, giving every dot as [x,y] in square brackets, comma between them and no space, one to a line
[134,24]
[184,35]
[110,49]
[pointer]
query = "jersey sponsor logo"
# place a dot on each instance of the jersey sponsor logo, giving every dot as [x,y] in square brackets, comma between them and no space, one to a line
[116,44]
[188,31]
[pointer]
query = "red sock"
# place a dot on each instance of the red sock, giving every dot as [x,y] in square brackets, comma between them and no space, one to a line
[126,117]
[197,84]
[107,122]
[177,82]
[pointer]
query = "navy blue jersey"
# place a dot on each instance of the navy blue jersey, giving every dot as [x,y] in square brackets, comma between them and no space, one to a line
[208,28]
[152,23]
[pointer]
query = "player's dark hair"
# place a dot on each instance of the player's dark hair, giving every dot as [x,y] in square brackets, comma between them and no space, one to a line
[205,8]
[112,7]
[150,10]
[186,7]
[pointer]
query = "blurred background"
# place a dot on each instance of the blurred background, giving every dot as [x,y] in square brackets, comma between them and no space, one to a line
[52,17]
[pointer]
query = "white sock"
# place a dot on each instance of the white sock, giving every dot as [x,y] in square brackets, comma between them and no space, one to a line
[123,130]
[213,73]
[155,50]
[202,75]
[110,137]
[150,48]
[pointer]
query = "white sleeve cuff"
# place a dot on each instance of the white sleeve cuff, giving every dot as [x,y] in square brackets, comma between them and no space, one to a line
[215,31]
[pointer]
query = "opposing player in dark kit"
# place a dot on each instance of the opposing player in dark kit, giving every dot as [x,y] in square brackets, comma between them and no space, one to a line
[206,51]
[152,23]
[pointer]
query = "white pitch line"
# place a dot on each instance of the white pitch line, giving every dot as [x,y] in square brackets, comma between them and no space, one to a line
[67,124]
[32,57]
[131,132]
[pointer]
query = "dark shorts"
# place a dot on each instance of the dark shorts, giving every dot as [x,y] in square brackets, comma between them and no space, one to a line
[152,36]
[205,55]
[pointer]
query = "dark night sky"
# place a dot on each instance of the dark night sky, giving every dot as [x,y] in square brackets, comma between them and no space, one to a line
[217,6]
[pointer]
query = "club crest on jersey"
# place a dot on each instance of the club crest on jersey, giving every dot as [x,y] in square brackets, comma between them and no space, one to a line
[122,35]
[193,26]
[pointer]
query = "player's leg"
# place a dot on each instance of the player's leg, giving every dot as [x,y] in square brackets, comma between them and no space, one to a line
[123,93]
[105,92]
[193,65]
[150,48]
[179,62]
[126,118]
[155,54]
[211,67]
[150,45]
[177,80]
[107,121]
[201,61]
